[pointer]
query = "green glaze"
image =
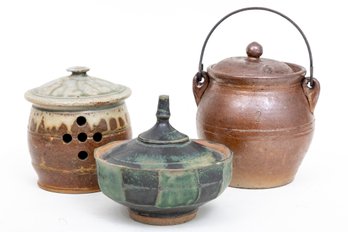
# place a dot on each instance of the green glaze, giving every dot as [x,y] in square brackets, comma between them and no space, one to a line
[110,181]
[78,91]
[174,187]
[162,132]
[203,160]
[150,162]
[227,168]
[163,172]
[178,188]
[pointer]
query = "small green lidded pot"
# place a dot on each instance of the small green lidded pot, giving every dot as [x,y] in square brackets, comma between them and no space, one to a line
[163,176]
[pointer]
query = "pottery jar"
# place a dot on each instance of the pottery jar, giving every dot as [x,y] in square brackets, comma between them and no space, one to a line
[265,112]
[70,117]
[162,176]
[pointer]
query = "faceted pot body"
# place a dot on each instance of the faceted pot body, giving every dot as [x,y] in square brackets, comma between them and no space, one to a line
[61,144]
[157,192]
[267,122]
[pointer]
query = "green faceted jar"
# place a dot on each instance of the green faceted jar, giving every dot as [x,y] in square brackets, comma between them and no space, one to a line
[163,176]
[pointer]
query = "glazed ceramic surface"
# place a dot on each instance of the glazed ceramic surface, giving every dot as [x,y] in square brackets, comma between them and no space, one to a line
[70,117]
[163,176]
[265,114]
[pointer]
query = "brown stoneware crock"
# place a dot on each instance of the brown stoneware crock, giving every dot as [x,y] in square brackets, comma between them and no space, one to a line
[70,117]
[261,109]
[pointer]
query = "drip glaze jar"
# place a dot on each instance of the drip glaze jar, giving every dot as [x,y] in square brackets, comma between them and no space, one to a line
[70,117]
[265,112]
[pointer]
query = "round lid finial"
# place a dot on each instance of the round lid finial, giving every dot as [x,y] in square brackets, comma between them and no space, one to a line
[78,70]
[254,50]
[77,91]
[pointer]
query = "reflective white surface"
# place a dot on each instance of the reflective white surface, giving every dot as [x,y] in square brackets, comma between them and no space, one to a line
[153,47]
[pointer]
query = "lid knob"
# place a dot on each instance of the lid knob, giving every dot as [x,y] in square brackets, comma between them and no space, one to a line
[78,70]
[162,132]
[254,50]
[163,112]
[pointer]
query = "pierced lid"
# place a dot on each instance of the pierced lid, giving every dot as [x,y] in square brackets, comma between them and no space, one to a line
[77,91]
[252,66]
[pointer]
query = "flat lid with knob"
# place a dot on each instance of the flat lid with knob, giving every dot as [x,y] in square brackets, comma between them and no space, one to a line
[76,91]
[252,66]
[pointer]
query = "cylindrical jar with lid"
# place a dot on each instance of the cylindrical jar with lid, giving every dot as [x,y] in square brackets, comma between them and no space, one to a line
[70,117]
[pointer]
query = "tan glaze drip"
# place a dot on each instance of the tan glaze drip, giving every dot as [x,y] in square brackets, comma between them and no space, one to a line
[62,146]
[71,116]
[54,121]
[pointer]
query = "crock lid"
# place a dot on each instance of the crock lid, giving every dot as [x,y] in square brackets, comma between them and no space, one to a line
[252,66]
[77,91]
[162,147]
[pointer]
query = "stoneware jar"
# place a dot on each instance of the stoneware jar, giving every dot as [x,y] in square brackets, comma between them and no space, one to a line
[70,117]
[163,176]
[265,112]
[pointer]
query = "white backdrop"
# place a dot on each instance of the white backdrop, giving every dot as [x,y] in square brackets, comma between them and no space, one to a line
[153,47]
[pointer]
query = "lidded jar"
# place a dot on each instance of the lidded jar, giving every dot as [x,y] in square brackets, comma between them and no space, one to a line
[163,176]
[265,113]
[70,117]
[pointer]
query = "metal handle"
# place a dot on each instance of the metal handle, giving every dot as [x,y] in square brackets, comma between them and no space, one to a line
[199,75]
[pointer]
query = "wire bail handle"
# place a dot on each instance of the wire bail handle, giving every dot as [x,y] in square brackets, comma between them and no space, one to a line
[200,74]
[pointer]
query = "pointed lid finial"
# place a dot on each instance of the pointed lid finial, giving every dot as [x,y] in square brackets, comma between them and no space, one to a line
[162,132]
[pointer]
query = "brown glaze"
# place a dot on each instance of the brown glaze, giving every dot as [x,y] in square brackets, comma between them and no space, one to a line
[70,117]
[58,164]
[263,111]
[174,220]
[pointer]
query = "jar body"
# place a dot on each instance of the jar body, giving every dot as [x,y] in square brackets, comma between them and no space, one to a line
[268,126]
[62,143]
